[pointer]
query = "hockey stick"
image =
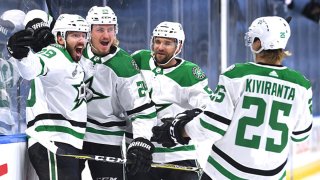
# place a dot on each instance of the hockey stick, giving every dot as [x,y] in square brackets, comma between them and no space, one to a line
[60,152]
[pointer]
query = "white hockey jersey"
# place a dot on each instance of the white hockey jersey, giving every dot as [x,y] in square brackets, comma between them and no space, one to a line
[8,78]
[116,93]
[56,106]
[173,90]
[255,111]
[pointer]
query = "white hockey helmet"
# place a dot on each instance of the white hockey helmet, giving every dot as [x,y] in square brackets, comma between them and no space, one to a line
[37,13]
[102,15]
[170,30]
[273,32]
[70,22]
[15,16]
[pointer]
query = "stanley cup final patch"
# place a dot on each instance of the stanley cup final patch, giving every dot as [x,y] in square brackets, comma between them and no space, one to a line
[135,65]
[198,73]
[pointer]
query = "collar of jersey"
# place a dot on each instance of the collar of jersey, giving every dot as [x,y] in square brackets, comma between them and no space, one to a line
[103,59]
[153,66]
[268,66]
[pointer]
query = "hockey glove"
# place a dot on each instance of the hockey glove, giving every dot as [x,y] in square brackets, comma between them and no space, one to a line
[41,34]
[18,44]
[161,134]
[170,133]
[139,155]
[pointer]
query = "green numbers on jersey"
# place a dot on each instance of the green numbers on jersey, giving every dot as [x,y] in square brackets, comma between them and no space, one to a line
[142,88]
[47,53]
[258,121]
[218,95]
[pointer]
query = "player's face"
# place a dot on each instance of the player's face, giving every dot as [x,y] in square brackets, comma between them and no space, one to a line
[102,37]
[164,49]
[75,44]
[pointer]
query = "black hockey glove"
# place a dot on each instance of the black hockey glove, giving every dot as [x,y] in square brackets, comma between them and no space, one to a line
[161,134]
[41,34]
[170,133]
[18,44]
[139,155]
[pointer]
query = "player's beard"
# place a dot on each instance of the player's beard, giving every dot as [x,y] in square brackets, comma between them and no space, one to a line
[162,58]
[76,51]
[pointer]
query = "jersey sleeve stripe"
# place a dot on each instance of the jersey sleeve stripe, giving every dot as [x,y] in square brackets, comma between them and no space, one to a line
[296,133]
[42,67]
[218,117]
[108,124]
[212,127]
[49,116]
[148,116]
[299,139]
[246,169]
[140,108]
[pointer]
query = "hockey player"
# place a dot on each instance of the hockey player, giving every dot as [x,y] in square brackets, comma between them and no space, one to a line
[56,107]
[174,85]
[115,92]
[11,21]
[256,109]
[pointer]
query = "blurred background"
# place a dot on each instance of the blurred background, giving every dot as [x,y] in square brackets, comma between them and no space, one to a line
[214,32]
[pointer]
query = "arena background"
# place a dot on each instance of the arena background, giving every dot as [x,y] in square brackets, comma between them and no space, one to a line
[214,32]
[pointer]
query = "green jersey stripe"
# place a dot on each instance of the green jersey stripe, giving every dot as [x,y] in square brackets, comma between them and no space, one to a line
[212,127]
[222,170]
[148,116]
[299,139]
[60,129]
[246,169]
[175,149]
[104,132]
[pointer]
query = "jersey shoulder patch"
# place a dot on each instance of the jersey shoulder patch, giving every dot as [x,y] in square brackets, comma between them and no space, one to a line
[198,73]
[187,74]
[123,64]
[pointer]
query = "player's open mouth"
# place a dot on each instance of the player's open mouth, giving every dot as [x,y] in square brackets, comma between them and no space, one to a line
[79,50]
[104,43]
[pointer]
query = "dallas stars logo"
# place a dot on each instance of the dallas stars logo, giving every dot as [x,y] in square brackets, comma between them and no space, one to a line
[198,73]
[81,95]
[91,94]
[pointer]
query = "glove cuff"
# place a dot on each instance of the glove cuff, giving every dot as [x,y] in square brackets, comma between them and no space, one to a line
[142,144]
[37,24]
[176,129]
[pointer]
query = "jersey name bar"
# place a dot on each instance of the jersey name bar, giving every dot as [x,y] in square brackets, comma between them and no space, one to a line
[270,88]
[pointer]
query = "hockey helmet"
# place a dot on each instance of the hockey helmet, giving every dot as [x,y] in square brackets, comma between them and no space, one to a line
[102,15]
[70,22]
[273,32]
[170,30]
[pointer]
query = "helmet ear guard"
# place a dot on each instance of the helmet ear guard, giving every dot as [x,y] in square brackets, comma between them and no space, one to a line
[272,31]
